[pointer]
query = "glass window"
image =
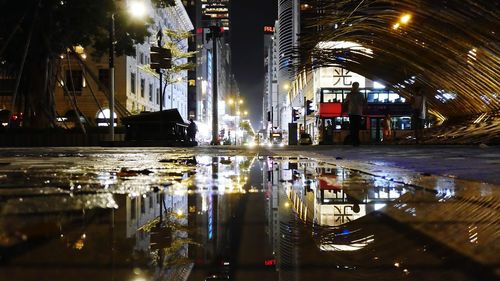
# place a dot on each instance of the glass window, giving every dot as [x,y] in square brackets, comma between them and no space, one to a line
[393,97]
[74,81]
[141,58]
[383,97]
[150,92]
[132,83]
[143,87]
[373,97]
[133,208]
[103,78]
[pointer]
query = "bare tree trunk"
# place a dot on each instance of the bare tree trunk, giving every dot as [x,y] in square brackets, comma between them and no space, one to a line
[38,93]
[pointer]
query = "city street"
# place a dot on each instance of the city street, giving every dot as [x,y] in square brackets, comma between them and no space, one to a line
[238,213]
[263,140]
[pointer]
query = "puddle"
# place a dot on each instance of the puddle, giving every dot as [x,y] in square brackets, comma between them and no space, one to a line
[195,217]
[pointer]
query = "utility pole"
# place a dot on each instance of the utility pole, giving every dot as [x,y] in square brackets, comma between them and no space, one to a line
[159,37]
[215,33]
[306,110]
[112,77]
[161,58]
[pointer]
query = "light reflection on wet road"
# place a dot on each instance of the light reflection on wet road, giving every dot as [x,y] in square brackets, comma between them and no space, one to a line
[95,215]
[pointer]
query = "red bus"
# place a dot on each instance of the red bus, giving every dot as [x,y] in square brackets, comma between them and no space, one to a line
[334,124]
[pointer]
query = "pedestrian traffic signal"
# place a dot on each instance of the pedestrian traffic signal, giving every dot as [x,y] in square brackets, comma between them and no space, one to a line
[295,114]
[161,58]
[309,107]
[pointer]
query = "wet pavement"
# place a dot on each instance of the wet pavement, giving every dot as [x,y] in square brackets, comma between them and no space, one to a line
[234,214]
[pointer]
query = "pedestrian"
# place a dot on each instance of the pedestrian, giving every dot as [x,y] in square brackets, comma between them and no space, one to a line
[387,128]
[419,113]
[329,132]
[355,103]
[191,131]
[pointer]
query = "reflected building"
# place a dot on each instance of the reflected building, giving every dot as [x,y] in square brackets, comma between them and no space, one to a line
[303,193]
[283,230]
[100,243]
[217,186]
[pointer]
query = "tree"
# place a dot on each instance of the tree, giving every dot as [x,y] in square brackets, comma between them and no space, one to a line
[180,58]
[34,33]
[247,127]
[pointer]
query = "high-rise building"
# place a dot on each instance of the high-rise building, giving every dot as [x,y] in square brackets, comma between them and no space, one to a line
[215,12]
[204,14]
[287,30]
[270,103]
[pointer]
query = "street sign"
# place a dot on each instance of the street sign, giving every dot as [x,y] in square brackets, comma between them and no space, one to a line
[161,58]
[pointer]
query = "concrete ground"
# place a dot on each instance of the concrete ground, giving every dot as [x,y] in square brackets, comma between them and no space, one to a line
[459,205]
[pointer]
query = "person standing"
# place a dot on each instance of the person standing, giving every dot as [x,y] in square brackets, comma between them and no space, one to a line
[191,130]
[355,103]
[419,113]
[329,132]
[387,128]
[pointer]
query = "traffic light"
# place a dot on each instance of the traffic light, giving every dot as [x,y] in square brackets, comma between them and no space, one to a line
[295,114]
[309,107]
[161,58]
[215,32]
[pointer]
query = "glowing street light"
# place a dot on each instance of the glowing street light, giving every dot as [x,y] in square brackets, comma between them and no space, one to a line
[241,101]
[231,101]
[138,10]
[405,19]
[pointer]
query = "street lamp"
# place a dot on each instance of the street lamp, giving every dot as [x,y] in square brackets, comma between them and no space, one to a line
[403,20]
[137,9]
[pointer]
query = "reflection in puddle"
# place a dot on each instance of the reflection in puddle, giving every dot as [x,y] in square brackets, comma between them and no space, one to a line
[212,218]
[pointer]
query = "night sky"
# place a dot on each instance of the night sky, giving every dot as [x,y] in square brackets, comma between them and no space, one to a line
[248,17]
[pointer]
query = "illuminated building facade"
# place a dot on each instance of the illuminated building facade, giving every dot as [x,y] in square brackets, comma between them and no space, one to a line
[270,103]
[215,12]
[203,14]
[136,84]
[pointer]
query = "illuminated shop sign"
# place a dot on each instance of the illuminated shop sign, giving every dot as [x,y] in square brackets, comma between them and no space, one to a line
[269,29]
